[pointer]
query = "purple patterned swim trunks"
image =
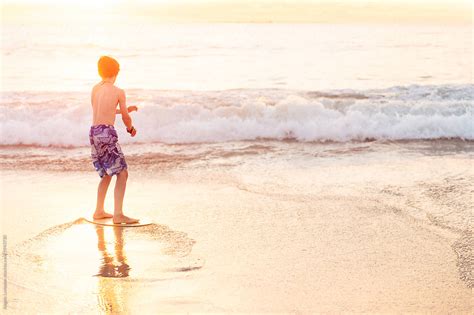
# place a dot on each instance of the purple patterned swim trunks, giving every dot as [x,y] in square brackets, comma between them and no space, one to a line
[106,153]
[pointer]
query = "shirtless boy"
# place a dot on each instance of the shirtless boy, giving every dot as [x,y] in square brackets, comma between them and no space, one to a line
[106,153]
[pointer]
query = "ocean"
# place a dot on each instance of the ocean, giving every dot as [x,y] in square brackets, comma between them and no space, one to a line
[201,83]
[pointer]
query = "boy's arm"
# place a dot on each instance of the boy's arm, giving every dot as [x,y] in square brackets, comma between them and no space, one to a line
[127,120]
[129,108]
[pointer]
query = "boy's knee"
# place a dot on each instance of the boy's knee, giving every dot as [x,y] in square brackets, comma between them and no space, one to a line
[123,175]
[106,178]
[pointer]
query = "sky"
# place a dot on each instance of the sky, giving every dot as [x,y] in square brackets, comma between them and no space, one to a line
[247,11]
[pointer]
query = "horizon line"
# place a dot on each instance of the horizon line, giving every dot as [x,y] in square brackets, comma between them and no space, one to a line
[227,12]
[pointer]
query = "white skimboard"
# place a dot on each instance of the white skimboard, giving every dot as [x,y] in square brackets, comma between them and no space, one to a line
[109,222]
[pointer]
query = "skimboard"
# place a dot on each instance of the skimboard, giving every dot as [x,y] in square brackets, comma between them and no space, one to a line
[109,222]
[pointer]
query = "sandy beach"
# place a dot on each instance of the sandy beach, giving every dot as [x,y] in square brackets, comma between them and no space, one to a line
[356,230]
[295,157]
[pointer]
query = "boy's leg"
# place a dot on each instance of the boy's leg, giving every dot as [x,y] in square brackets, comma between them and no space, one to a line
[101,193]
[119,193]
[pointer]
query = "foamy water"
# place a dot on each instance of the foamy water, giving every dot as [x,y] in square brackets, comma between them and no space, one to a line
[398,113]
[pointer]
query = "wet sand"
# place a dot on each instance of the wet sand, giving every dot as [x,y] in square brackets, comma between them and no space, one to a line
[360,232]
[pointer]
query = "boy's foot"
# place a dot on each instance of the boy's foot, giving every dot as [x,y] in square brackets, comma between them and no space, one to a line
[102,215]
[124,219]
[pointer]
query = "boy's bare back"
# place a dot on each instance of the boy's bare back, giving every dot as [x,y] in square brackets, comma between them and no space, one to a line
[104,99]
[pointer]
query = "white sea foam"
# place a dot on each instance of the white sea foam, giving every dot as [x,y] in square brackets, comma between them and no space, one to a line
[398,113]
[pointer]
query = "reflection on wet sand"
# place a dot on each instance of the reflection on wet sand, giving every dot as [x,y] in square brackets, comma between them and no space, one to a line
[112,266]
[100,269]
[111,297]
[113,294]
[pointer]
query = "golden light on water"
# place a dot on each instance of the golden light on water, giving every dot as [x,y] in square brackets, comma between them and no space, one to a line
[246,11]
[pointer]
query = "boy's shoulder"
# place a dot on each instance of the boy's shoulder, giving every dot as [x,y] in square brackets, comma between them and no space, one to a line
[115,88]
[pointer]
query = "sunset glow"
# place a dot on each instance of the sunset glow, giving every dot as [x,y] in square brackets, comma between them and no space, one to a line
[236,156]
[245,11]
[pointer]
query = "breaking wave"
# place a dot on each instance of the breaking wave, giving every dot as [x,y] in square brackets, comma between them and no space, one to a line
[397,113]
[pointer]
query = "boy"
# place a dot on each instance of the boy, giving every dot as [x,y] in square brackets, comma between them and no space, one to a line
[107,156]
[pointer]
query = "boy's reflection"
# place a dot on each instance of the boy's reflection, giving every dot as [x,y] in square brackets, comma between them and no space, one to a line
[112,266]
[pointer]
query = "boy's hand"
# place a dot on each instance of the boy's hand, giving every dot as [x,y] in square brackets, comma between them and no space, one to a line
[132,131]
[132,109]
